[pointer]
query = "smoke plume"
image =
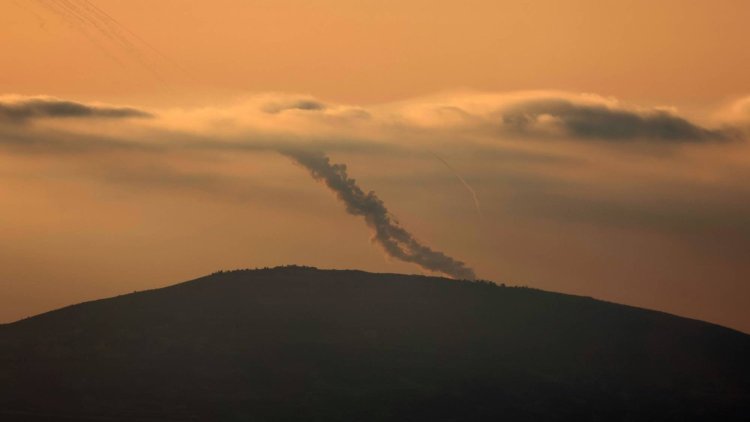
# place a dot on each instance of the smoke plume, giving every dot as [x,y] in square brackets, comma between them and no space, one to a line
[397,242]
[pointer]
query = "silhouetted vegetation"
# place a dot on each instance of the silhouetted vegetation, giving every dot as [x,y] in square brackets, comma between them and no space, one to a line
[296,343]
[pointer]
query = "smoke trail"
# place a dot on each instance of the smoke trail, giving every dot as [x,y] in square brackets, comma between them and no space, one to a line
[397,242]
[463,182]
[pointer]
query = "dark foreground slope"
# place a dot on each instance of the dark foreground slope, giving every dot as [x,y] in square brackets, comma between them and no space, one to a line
[303,344]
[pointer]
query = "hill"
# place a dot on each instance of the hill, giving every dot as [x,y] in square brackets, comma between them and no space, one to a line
[297,343]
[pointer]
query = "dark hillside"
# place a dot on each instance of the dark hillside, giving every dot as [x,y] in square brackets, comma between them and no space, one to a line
[296,343]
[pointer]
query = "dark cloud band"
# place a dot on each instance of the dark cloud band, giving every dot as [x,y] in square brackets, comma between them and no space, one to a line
[304,105]
[601,122]
[20,111]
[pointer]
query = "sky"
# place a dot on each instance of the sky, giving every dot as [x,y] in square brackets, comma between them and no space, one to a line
[596,148]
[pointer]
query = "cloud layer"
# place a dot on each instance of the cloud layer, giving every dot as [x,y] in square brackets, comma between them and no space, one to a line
[554,155]
[23,109]
[492,117]
[599,120]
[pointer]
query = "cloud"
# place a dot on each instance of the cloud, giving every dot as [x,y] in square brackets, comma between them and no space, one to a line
[23,139]
[23,109]
[495,121]
[743,107]
[599,120]
[548,115]
[737,114]
[295,104]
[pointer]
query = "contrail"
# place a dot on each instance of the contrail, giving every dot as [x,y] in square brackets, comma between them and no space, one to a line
[463,182]
[109,18]
[39,18]
[395,240]
[91,20]
[77,23]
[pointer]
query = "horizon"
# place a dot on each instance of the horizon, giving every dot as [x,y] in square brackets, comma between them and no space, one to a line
[477,281]
[542,144]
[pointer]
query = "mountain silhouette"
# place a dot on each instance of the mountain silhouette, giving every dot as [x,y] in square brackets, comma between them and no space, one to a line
[301,344]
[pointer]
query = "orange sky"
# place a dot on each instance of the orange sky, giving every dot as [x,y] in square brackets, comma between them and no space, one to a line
[565,205]
[668,51]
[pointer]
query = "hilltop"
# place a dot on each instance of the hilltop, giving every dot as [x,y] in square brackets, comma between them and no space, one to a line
[298,343]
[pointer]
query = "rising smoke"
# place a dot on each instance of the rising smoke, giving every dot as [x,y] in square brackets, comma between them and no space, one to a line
[397,242]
